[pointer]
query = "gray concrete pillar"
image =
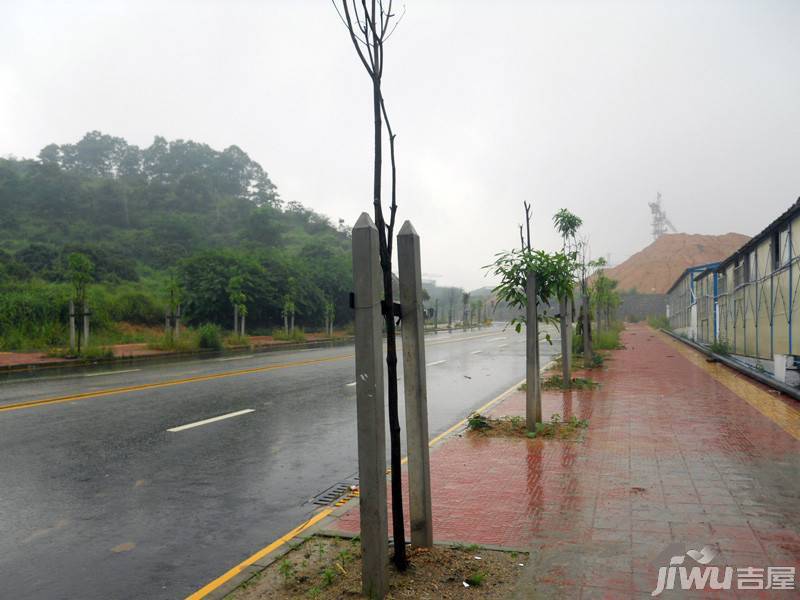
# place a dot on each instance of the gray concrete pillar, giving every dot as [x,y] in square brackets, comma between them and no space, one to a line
[85,324]
[414,383]
[71,326]
[587,337]
[565,328]
[370,408]
[533,396]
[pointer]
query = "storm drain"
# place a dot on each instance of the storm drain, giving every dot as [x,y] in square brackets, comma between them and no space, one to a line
[340,491]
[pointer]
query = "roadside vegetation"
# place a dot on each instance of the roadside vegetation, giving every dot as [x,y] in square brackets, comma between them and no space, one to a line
[176,223]
[557,427]
[659,322]
[329,568]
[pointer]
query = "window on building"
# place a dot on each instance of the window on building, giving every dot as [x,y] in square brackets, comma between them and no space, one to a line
[785,247]
[752,267]
[738,274]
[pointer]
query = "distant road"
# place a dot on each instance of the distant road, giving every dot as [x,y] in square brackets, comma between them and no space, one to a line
[159,477]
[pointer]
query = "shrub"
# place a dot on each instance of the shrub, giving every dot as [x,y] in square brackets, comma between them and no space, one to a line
[607,339]
[720,347]
[187,341]
[136,307]
[209,337]
[658,322]
[298,335]
[237,341]
[477,421]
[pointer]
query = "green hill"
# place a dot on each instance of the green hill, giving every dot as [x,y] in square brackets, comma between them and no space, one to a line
[176,210]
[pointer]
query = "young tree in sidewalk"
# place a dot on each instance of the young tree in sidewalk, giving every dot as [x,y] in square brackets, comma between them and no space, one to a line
[370,24]
[567,225]
[554,275]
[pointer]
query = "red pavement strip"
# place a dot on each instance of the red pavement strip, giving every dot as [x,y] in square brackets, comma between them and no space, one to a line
[671,456]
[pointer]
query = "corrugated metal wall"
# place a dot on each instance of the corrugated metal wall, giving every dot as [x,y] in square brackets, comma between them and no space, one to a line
[757,299]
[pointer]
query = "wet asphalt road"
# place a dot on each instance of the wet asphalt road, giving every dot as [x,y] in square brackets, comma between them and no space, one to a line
[99,500]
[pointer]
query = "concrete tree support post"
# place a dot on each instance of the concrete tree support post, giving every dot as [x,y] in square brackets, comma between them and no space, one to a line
[533,397]
[566,340]
[71,326]
[370,408]
[414,380]
[86,314]
[587,337]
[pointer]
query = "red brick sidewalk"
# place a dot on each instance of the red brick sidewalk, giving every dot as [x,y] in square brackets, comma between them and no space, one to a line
[671,455]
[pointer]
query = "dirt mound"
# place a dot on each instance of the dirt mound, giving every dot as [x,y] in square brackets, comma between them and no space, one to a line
[654,269]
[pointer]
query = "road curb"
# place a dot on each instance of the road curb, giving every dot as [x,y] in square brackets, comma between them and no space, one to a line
[323,526]
[68,365]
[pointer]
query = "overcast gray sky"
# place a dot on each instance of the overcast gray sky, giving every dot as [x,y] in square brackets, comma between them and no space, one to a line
[593,106]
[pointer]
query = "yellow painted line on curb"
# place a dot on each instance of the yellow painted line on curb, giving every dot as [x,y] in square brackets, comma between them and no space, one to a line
[210,587]
[170,383]
[463,422]
[231,573]
[780,413]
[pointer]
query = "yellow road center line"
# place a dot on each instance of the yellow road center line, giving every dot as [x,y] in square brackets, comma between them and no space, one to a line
[780,413]
[210,377]
[173,382]
[231,573]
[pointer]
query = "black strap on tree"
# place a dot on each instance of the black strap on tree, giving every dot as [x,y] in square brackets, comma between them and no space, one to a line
[397,310]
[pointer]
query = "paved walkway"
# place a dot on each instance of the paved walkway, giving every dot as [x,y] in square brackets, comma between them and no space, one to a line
[679,454]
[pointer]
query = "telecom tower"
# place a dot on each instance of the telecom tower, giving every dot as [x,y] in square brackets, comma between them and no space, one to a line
[660,221]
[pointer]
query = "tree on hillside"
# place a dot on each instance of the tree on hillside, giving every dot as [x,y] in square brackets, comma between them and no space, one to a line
[79,274]
[238,300]
[369,27]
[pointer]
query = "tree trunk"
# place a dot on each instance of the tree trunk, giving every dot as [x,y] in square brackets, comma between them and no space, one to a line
[286,323]
[398,528]
[235,319]
[243,316]
[587,332]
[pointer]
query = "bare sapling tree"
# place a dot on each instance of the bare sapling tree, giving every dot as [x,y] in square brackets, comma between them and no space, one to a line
[370,24]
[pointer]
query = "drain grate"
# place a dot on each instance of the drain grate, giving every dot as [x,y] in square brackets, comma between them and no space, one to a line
[335,492]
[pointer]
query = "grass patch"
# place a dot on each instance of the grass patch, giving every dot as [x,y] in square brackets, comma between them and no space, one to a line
[93,352]
[237,341]
[557,428]
[607,339]
[298,335]
[720,347]
[556,382]
[658,322]
[515,427]
[328,568]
